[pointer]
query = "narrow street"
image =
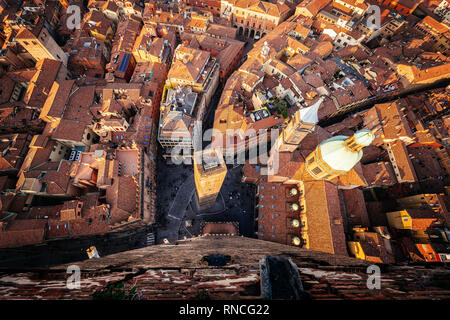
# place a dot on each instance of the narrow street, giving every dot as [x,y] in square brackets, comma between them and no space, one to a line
[176,190]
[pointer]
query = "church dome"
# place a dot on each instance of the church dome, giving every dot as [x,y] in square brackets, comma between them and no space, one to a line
[342,152]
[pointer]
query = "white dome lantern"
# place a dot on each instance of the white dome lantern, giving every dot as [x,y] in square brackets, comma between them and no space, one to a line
[364,137]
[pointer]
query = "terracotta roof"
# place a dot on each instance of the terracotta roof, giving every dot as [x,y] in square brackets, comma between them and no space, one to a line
[276,10]
[422,219]
[58,180]
[324,219]
[71,130]
[221,31]
[227,49]
[224,228]
[425,162]
[355,207]
[188,63]
[313,6]
[393,122]
[122,196]
[101,24]
[379,173]
[406,172]
[22,232]
[56,101]
[41,83]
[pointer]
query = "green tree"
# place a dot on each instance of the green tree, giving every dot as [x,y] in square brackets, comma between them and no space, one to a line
[281,107]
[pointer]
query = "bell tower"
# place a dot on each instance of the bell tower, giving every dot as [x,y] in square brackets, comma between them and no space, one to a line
[302,123]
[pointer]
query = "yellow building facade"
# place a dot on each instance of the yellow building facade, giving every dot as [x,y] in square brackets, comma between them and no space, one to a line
[399,219]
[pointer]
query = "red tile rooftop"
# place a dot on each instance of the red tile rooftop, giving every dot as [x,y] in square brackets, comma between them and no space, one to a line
[42,81]
[355,207]
[57,98]
[425,162]
[122,196]
[71,130]
[224,228]
[422,219]
[402,161]
[22,232]
[324,220]
[129,161]
[379,174]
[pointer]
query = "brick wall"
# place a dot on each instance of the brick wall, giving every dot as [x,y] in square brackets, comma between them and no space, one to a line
[179,271]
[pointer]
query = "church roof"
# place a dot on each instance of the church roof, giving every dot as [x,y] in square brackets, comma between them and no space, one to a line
[311,113]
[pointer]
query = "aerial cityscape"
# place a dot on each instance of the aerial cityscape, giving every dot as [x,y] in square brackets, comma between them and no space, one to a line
[224,149]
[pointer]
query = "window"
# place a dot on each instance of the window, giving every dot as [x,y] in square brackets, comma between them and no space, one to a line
[316,170]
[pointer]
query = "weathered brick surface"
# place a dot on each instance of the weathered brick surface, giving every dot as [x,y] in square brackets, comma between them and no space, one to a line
[178,271]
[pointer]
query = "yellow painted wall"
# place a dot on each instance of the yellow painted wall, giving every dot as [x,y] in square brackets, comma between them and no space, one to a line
[356,249]
[399,219]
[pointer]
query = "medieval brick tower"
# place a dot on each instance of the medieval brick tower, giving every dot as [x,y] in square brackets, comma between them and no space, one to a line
[209,171]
